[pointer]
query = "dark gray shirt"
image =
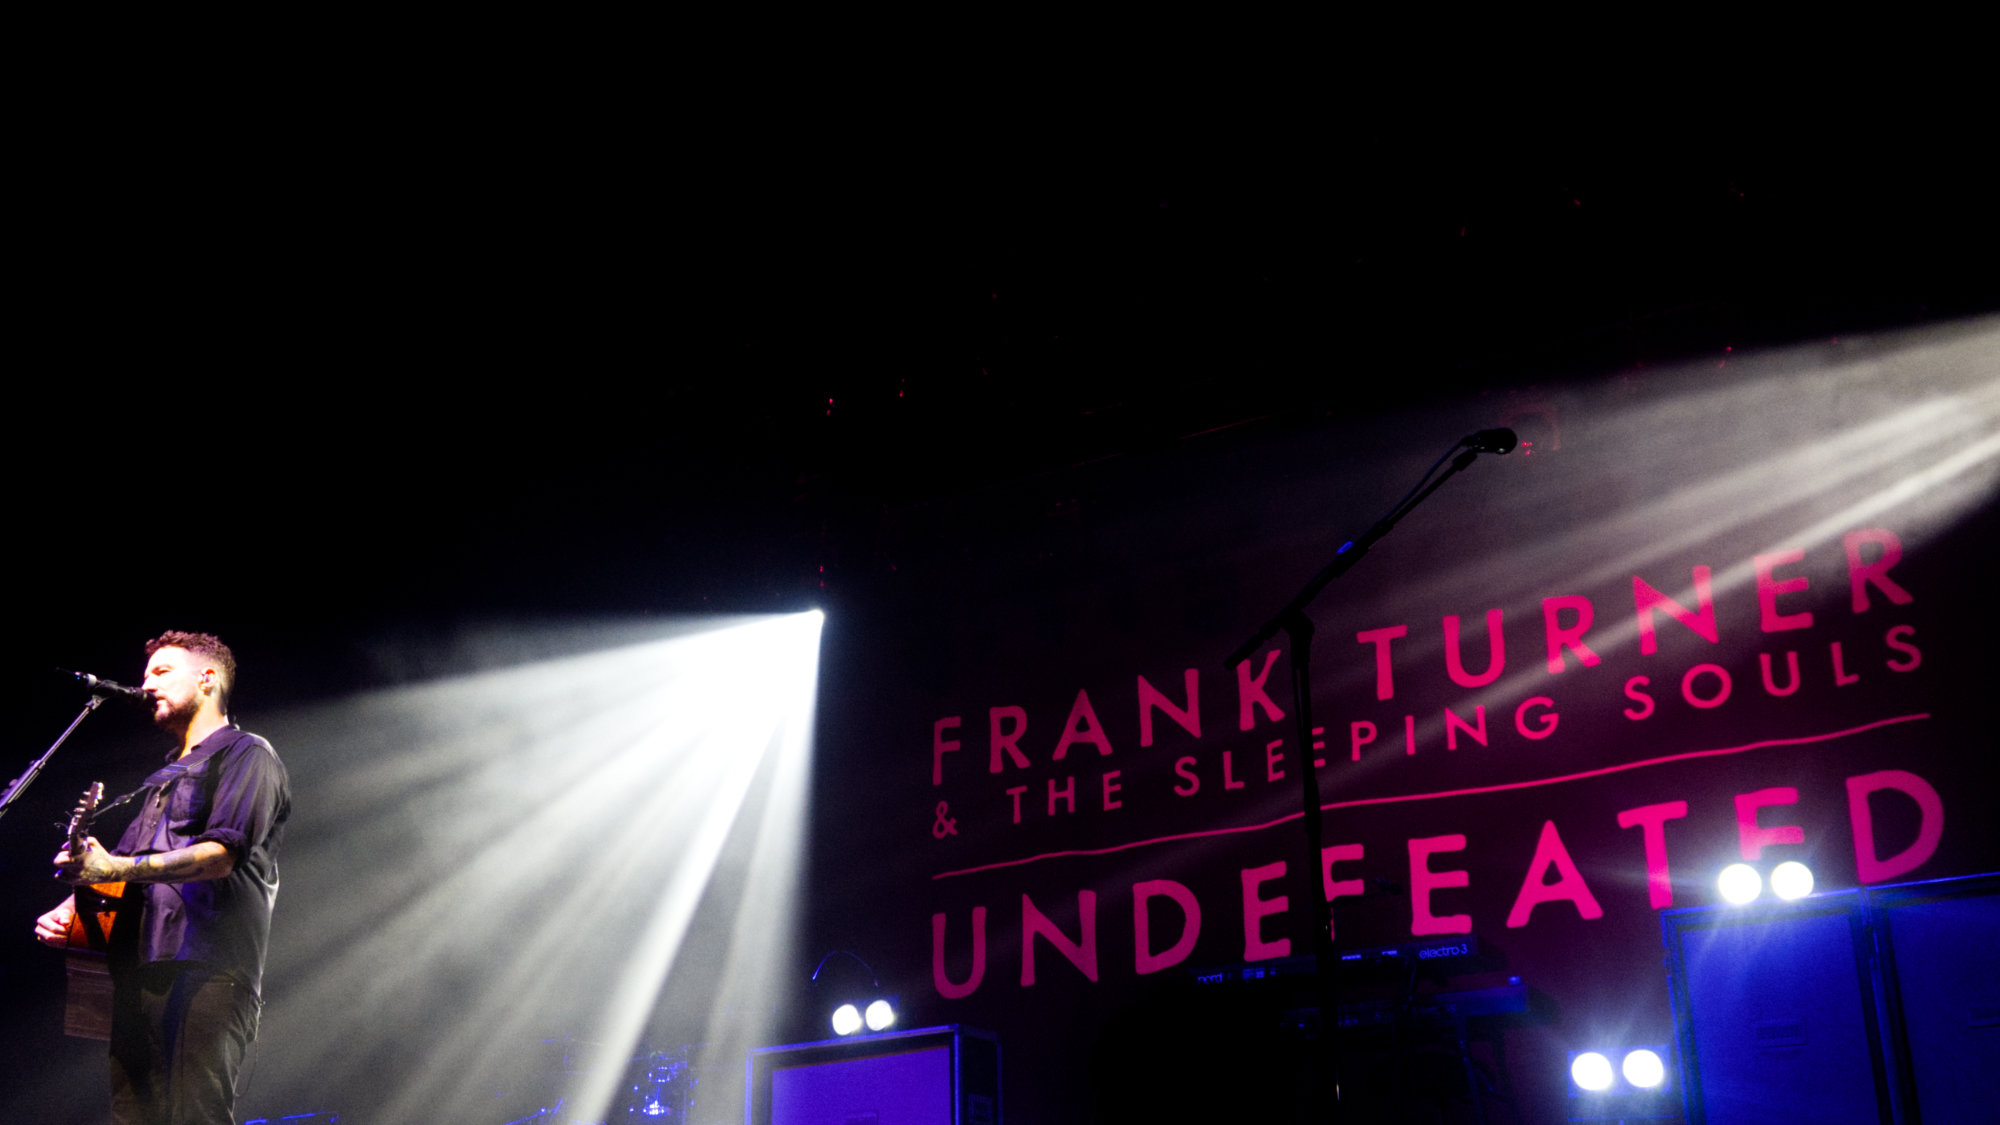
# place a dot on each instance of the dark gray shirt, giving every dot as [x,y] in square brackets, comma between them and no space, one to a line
[232,789]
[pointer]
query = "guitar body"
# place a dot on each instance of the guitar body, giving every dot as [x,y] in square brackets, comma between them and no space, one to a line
[87,995]
[96,911]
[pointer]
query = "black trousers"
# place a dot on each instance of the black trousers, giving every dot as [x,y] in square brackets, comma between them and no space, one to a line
[179,1034]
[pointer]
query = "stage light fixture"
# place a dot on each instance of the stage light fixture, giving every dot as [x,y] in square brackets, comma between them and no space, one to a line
[855,1005]
[1637,1088]
[846,1020]
[1591,1071]
[1740,883]
[877,1015]
[1791,879]
[881,1015]
[1643,1068]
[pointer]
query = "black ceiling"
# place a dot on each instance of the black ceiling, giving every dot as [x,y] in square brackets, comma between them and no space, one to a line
[534,364]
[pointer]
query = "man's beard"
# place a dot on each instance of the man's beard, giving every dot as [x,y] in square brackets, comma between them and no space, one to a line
[177,717]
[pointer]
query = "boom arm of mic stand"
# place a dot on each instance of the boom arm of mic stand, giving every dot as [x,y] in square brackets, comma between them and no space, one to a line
[20,784]
[1299,628]
[1344,560]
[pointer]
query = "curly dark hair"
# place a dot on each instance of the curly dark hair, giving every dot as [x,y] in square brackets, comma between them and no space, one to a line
[209,649]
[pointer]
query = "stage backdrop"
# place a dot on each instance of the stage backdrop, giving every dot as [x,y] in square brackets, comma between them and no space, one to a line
[1739,610]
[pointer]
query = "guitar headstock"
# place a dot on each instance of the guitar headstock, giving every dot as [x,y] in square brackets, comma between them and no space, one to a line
[86,808]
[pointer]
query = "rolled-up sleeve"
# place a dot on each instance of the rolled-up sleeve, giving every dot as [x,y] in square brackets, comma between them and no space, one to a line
[249,801]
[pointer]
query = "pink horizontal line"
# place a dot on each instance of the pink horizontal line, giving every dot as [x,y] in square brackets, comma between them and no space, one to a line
[1828,737]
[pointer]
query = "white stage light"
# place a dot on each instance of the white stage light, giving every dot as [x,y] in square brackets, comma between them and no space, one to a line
[1591,1071]
[1643,1068]
[1597,1094]
[1740,883]
[880,1016]
[859,1004]
[846,1020]
[1791,879]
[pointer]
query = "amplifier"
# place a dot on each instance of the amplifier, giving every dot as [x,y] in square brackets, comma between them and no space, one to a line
[948,1075]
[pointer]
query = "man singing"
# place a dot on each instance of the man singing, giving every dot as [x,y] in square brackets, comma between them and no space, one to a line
[200,858]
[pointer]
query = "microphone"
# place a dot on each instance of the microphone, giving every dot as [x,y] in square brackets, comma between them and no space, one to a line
[110,689]
[1501,440]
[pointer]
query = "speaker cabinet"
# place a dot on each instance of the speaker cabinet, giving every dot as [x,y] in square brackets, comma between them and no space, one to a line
[930,1076]
[1878,1005]
[1776,1013]
[1941,986]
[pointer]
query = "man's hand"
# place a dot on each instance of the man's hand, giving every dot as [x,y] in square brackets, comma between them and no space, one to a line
[52,928]
[92,865]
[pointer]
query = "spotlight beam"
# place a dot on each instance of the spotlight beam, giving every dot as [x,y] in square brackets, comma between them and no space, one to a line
[1938,458]
[524,868]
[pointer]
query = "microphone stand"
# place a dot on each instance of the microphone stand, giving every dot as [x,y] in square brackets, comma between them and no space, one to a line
[20,784]
[1299,631]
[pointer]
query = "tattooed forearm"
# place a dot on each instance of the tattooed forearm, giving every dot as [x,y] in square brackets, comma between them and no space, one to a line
[206,860]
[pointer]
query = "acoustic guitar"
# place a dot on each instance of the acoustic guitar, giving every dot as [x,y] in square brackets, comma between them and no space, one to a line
[87,1009]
